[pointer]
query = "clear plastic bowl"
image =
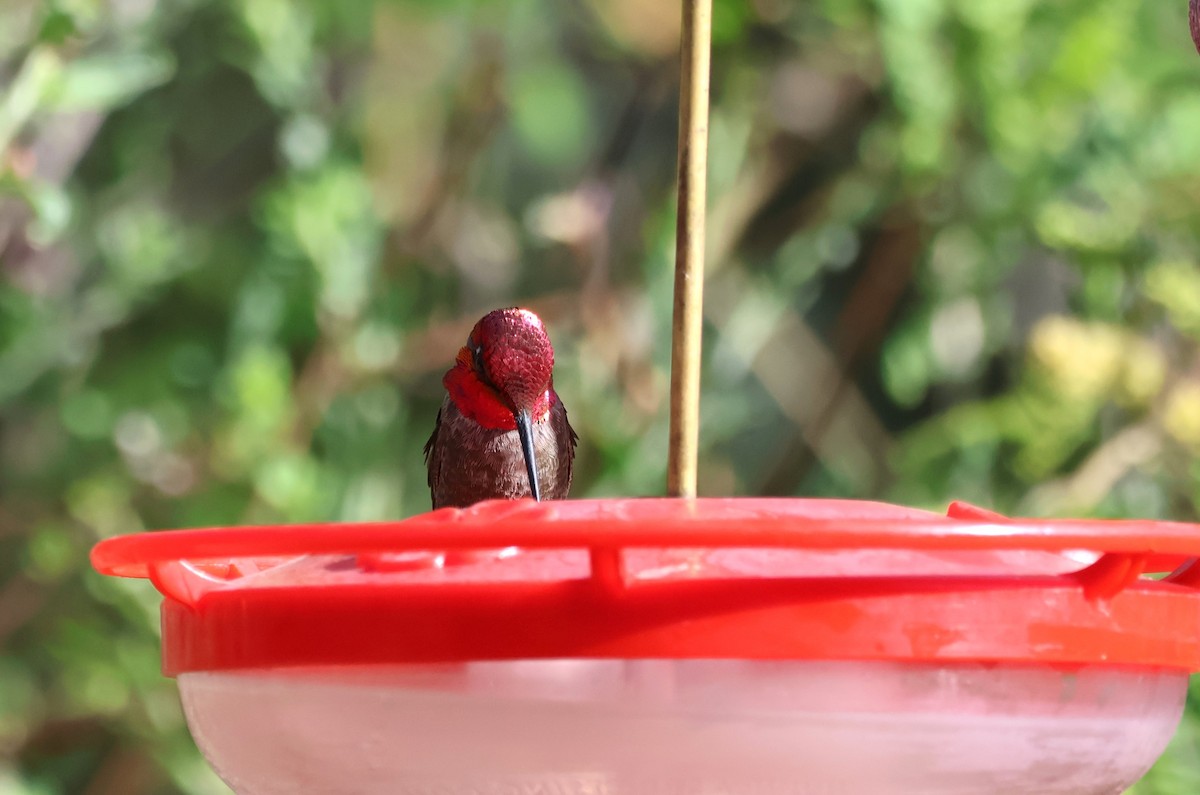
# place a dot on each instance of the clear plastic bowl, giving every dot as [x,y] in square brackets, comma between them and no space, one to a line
[637,727]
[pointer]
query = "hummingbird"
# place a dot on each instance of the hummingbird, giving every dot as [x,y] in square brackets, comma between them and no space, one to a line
[502,431]
[1194,21]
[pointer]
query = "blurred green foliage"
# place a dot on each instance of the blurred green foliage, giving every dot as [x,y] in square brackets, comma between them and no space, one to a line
[953,244]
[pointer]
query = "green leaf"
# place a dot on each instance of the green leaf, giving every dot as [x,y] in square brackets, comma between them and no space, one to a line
[550,113]
[103,82]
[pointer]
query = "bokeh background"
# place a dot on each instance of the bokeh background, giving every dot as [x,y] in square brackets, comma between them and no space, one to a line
[953,249]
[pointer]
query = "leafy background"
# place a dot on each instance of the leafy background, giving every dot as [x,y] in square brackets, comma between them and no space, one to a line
[953,256]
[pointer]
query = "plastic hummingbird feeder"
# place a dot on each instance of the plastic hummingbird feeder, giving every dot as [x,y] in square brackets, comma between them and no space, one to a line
[678,645]
[660,645]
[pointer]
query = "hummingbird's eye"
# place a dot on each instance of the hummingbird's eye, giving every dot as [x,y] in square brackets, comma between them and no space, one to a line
[477,355]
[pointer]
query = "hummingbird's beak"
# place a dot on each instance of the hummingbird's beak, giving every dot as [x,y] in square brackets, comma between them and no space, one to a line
[525,431]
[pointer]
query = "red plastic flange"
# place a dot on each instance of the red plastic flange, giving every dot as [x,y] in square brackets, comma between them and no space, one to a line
[732,578]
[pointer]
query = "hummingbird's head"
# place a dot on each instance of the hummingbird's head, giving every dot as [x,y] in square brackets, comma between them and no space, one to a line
[502,377]
[510,352]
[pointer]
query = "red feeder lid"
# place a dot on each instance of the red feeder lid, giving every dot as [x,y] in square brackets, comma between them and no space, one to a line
[663,578]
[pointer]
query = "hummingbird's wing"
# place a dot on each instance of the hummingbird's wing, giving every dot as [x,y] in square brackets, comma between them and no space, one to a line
[433,457]
[566,448]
